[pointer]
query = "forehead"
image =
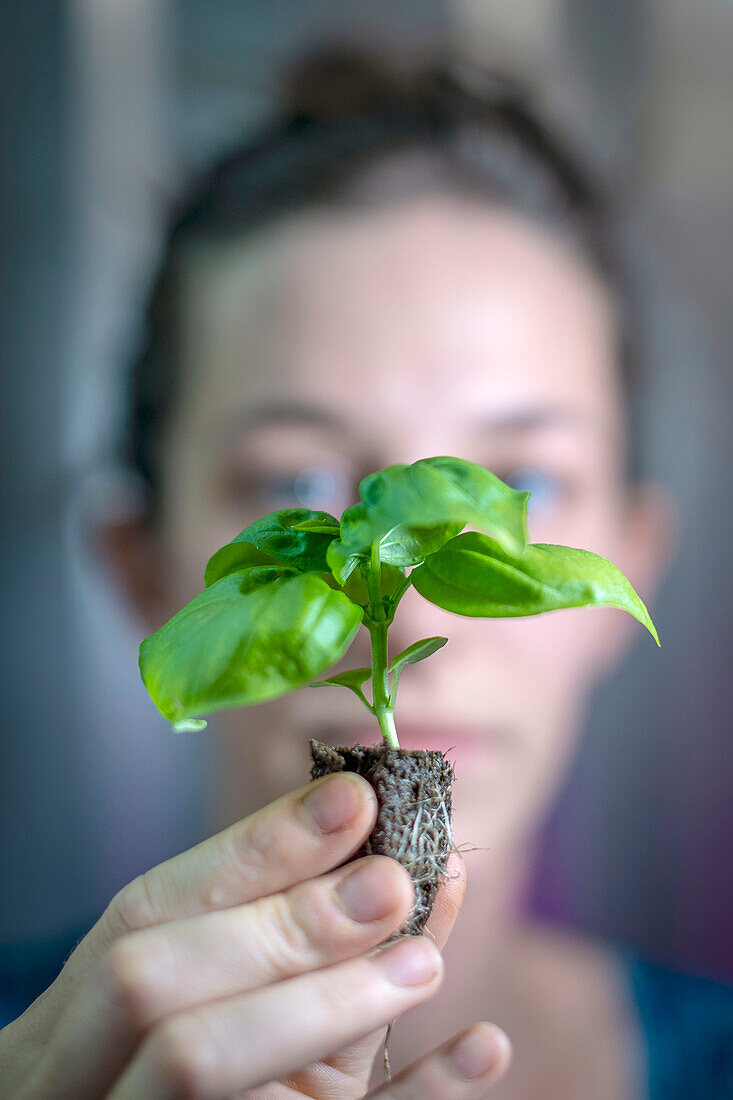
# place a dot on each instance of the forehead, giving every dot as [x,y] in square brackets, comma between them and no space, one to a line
[433,305]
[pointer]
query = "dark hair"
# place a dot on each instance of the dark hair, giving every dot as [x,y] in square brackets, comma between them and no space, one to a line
[354,130]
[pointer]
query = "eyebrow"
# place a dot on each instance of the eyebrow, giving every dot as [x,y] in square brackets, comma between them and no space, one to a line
[520,421]
[279,413]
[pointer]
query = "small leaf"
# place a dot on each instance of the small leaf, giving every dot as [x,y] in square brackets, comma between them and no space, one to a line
[190,725]
[473,575]
[317,528]
[353,679]
[279,538]
[251,636]
[411,511]
[418,651]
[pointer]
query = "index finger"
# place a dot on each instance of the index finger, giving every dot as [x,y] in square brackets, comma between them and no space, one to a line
[297,837]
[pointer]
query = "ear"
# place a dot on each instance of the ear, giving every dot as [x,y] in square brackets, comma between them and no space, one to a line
[130,554]
[646,552]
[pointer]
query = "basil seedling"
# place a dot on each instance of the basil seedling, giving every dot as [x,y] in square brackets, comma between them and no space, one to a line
[285,599]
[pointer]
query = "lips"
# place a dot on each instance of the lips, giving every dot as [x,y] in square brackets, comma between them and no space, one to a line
[453,739]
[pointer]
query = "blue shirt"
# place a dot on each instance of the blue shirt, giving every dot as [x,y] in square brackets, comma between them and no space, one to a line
[687,1025]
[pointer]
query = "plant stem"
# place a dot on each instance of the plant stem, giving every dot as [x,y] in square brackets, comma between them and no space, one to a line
[380,682]
[378,624]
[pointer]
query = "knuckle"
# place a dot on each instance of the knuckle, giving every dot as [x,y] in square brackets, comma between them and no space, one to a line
[256,847]
[182,1058]
[340,999]
[289,935]
[117,917]
[131,908]
[130,971]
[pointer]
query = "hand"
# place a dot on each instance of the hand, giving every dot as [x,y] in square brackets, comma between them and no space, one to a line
[462,1069]
[238,963]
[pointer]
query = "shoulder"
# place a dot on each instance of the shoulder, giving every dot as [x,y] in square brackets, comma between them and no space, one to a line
[580,974]
[572,998]
[673,1030]
[687,1022]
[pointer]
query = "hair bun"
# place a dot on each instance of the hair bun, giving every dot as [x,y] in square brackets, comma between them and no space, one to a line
[342,82]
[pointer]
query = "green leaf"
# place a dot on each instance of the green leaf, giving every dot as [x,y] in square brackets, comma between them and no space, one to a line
[473,575]
[409,512]
[233,558]
[418,651]
[353,679]
[318,528]
[279,538]
[251,636]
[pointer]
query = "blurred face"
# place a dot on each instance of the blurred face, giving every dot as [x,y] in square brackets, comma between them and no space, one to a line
[338,344]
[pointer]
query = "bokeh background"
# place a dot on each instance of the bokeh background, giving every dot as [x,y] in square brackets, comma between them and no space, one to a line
[106,108]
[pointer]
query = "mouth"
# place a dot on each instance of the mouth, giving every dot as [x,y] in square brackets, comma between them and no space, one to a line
[454,739]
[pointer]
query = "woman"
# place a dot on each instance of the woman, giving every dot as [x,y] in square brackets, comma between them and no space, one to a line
[399,267]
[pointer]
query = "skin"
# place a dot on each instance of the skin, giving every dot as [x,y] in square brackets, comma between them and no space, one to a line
[342,344]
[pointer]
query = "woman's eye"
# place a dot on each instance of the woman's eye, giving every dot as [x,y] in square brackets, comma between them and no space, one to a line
[545,490]
[308,487]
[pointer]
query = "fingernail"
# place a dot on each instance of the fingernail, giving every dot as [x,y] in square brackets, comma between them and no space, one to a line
[412,961]
[370,892]
[335,802]
[477,1051]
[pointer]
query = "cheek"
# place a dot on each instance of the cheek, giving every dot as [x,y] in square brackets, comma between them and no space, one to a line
[515,661]
[578,645]
[591,519]
[260,753]
[563,654]
[192,534]
[533,675]
[535,678]
[559,646]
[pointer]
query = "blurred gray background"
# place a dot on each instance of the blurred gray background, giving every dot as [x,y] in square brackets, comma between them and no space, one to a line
[105,109]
